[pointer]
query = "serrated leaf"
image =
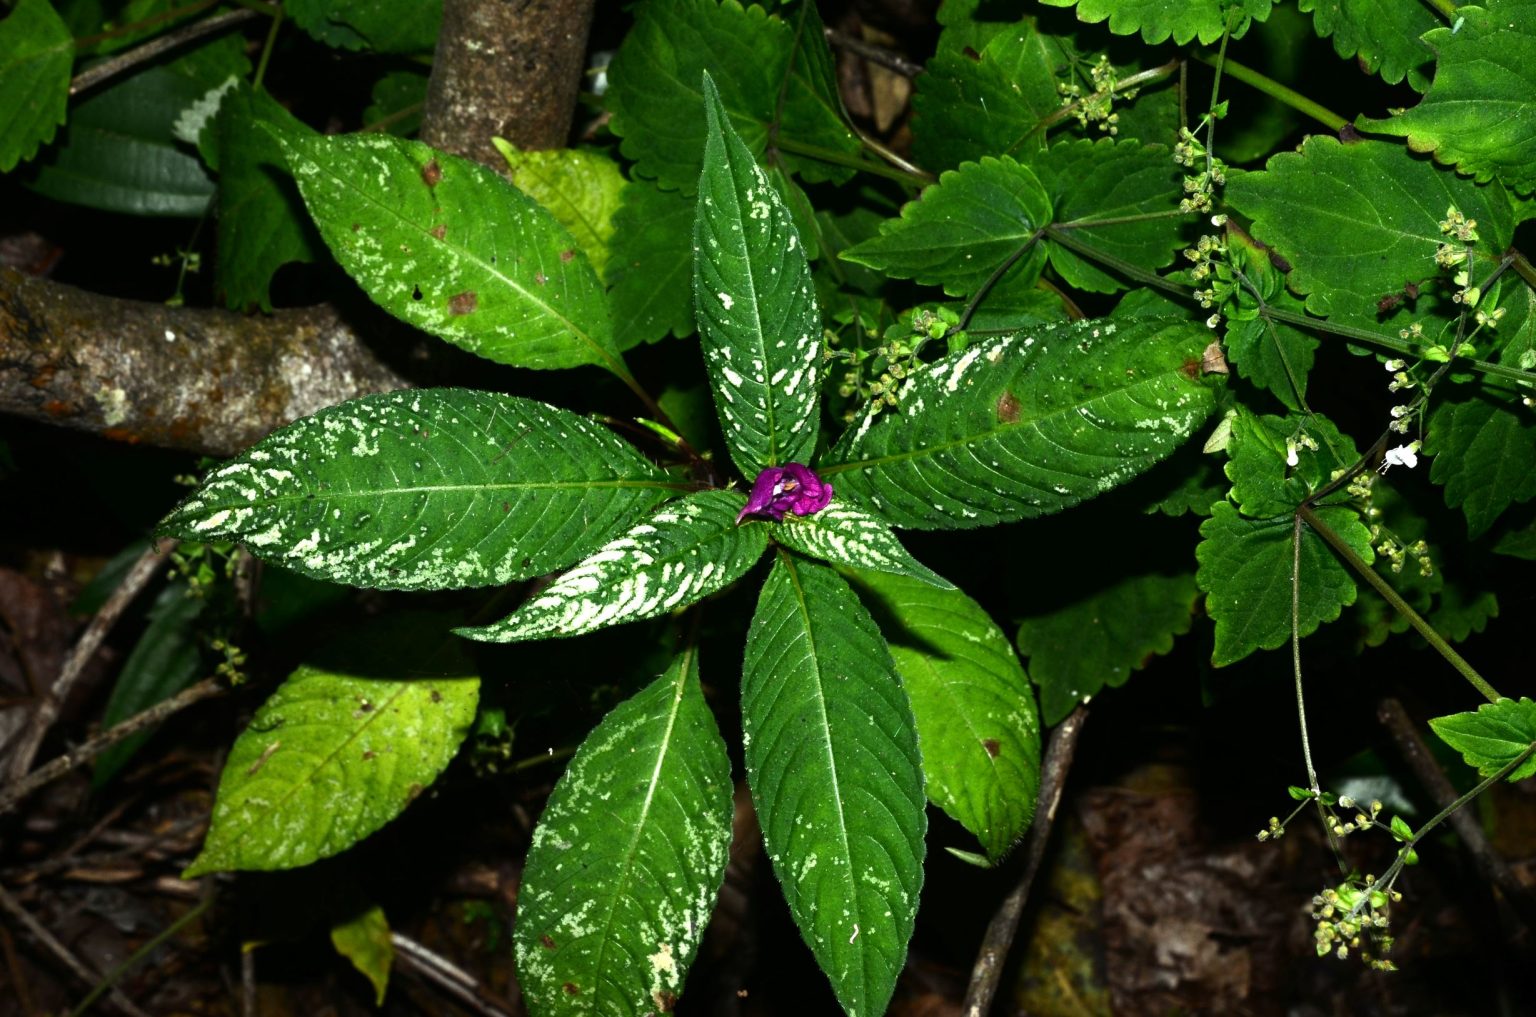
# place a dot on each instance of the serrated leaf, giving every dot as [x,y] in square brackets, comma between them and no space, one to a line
[960,230]
[1492,736]
[386,26]
[1028,424]
[687,550]
[628,857]
[1382,34]
[1094,181]
[832,759]
[1356,221]
[341,748]
[755,307]
[449,246]
[1184,20]
[657,104]
[1077,649]
[1245,570]
[579,186]
[36,53]
[1264,481]
[650,267]
[848,536]
[1484,456]
[262,223]
[430,489]
[1271,354]
[975,712]
[364,940]
[1476,113]
[398,97]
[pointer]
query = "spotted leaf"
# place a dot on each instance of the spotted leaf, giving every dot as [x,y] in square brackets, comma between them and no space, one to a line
[683,553]
[844,535]
[433,489]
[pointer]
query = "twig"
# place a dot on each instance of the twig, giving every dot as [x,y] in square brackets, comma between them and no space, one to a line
[96,74]
[49,705]
[248,1007]
[1489,862]
[93,747]
[62,952]
[874,54]
[988,969]
[448,976]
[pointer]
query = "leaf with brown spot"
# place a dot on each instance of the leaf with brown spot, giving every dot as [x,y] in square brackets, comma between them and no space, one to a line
[431,173]
[439,231]
[990,744]
[463,303]
[1008,408]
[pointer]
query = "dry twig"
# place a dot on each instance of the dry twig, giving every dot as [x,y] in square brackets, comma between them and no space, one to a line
[448,976]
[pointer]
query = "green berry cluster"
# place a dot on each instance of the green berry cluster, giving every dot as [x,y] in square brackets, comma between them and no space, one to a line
[873,377]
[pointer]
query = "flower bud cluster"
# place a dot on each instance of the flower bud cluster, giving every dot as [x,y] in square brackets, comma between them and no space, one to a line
[1354,917]
[874,375]
[1096,104]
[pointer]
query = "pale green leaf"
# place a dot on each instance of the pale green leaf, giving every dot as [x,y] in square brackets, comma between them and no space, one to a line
[687,550]
[364,940]
[341,748]
[844,535]
[1484,456]
[755,307]
[628,857]
[975,711]
[1477,114]
[1383,34]
[650,267]
[579,186]
[1028,424]
[450,247]
[1492,736]
[36,53]
[1184,20]
[832,759]
[426,490]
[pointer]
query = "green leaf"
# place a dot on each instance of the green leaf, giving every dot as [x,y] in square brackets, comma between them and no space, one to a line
[450,247]
[1265,482]
[1492,736]
[687,550]
[1077,649]
[36,53]
[166,659]
[960,230]
[364,940]
[387,26]
[755,307]
[628,857]
[341,748]
[1384,35]
[1245,570]
[120,153]
[975,711]
[430,489]
[1093,181]
[1356,221]
[844,535]
[836,777]
[1271,354]
[1026,425]
[1485,456]
[650,266]
[579,186]
[1476,113]
[262,224]
[658,106]
[397,97]
[1184,20]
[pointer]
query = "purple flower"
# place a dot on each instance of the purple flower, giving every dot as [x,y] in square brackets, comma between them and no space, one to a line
[788,488]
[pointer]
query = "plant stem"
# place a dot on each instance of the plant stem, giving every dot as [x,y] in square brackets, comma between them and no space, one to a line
[1523,267]
[1133,81]
[1125,268]
[997,273]
[1275,90]
[138,955]
[1370,575]
[1301,700]
[266,49]
[1445,8]
[1119,220]
[852,161]
[141,54]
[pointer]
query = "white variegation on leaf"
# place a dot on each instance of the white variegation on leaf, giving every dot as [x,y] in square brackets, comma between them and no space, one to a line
[687,550]
[844,535]
[426,490]
[755,305]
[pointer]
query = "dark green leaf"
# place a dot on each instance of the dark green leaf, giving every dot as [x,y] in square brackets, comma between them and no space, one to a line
[844,535]
[1271,354]
[628,857]
[1076,650]
[426,490]
[580,188]
[452,248]
[1184,20]
[1492,736]
[687,550]
[1266,481]
[36,52]
[836,776]
[1025,425]
[756,310]
[387,26]
[398,97]
[364,940]
[1476,114]
[341,749]
[1485,456]
[1382,34]
[658,105]
[975,712]
[992,103]
[650,267]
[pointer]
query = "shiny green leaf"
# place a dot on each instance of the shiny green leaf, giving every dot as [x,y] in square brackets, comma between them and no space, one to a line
[36,53]
[1492,736]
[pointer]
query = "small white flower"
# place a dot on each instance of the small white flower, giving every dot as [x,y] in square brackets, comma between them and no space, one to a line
[1393,366]
[1213,321]
[1404,455]
[1291,458]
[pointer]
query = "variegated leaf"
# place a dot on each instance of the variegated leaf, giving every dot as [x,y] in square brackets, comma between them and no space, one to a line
[686,551]
[844,535]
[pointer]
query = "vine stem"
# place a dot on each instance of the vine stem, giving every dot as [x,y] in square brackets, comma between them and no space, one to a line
[1370,575]
[1274,89]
